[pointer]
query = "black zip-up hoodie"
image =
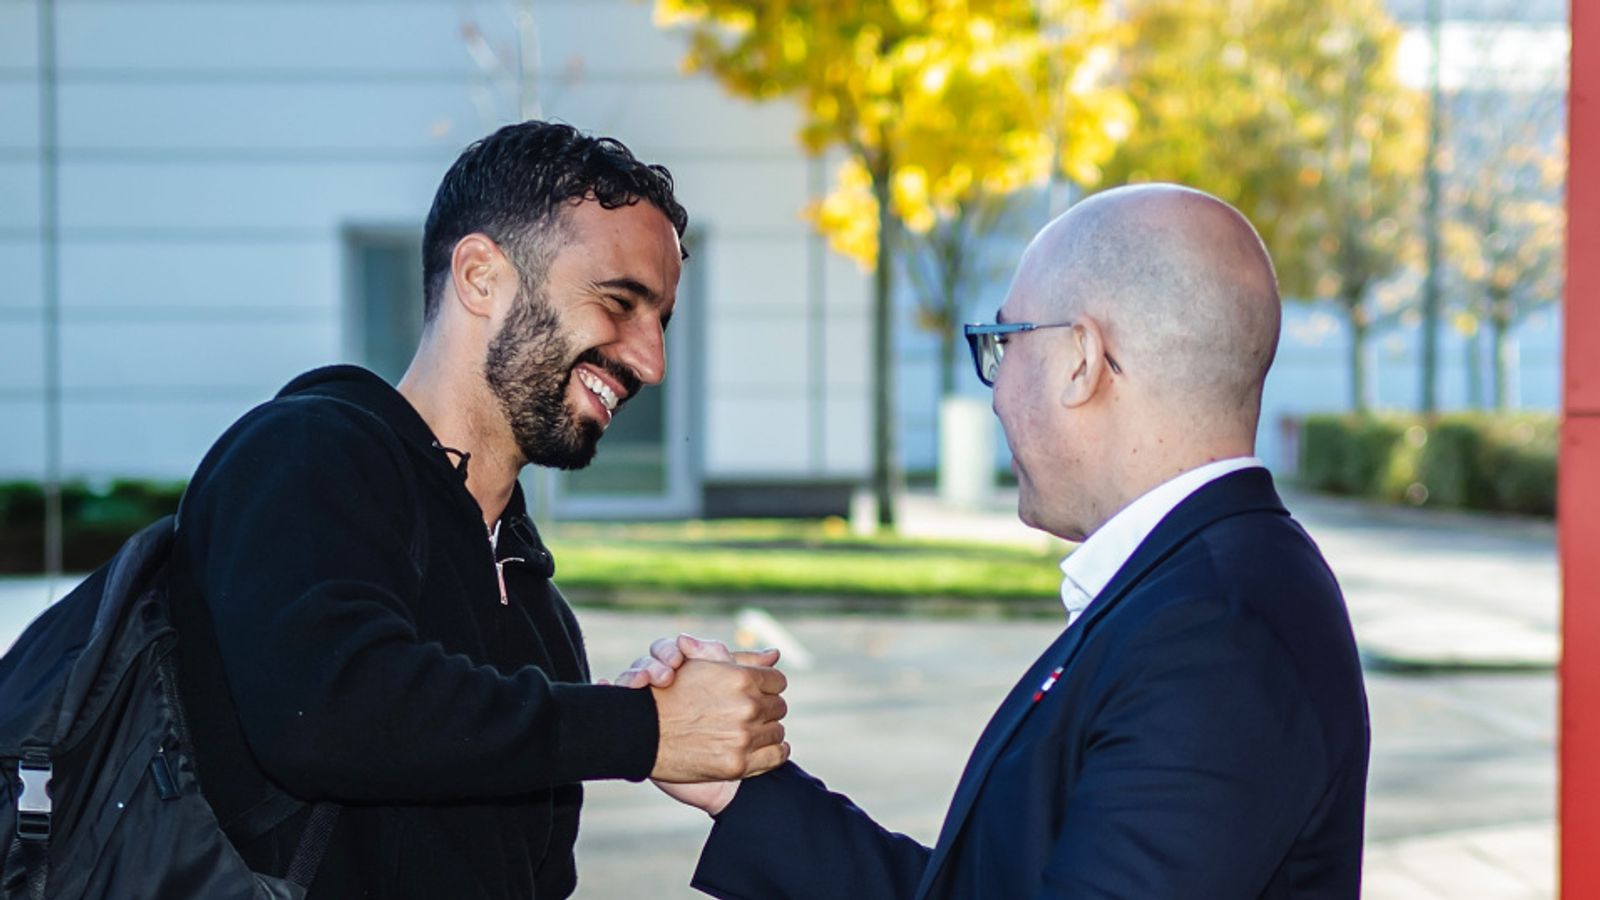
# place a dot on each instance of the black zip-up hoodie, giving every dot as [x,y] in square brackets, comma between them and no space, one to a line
[452,725]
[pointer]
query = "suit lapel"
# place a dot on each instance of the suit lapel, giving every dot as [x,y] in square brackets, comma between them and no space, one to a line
[1249,490]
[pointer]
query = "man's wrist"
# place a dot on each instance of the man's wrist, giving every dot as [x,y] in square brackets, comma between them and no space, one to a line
[724,801]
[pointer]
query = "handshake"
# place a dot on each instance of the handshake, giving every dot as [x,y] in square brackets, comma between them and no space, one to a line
[720,717]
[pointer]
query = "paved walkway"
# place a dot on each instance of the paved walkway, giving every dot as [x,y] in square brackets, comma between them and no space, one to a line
[1427,589]
[1457,617]
[1507,862]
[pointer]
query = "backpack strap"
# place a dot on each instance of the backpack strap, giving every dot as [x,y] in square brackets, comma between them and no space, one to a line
[313,843]
[32,857]
[273,810]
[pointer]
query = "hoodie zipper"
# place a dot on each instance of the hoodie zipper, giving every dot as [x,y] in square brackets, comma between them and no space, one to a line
[500,564]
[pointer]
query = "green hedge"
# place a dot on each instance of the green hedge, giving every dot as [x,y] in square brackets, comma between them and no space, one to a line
[1499,463]
[96,519]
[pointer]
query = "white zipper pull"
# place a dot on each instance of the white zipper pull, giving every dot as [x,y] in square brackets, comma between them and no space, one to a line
[500,571]
[499,565]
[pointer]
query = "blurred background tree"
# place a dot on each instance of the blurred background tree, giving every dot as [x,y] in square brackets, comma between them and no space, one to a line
[1294,113]
[1504,221]
[1503,241]
[960,252]
[940,107]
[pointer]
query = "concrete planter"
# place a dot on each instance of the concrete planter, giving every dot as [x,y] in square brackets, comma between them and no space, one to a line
[966,451]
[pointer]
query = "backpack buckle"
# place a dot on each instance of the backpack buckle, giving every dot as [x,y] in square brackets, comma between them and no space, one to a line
[34,806]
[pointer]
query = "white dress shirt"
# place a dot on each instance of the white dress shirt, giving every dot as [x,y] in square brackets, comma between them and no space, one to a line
[1088,569]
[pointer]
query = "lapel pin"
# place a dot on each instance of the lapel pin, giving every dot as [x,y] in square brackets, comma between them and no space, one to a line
[1045,686]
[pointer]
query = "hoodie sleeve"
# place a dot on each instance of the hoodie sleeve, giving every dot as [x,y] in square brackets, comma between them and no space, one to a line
[303,520]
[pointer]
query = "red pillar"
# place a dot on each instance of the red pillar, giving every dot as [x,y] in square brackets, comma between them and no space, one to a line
[1579,521]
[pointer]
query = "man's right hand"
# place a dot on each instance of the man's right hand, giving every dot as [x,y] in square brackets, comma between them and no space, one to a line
[719,721]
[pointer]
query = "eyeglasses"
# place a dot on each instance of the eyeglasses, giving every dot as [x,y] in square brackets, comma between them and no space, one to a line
[988,346]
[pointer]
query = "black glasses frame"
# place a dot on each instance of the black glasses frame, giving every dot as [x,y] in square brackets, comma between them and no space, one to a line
[987,346]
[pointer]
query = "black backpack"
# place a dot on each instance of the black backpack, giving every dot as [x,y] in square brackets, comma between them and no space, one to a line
[98,793]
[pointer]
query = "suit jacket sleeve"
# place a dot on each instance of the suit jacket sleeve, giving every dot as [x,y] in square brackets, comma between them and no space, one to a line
[785,835]
[1202,764]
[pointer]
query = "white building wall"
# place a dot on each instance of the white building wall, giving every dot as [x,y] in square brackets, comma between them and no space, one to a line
[22,431]
[212,155]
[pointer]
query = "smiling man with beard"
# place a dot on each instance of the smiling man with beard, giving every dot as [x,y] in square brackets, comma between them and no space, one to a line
[377,668]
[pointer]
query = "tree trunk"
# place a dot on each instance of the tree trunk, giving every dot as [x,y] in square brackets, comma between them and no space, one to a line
[1474,348]
[885,468]
[1355,314]
[1505,361]
[950,341]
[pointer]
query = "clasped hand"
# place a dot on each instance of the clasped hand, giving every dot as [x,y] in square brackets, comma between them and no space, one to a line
[720,717]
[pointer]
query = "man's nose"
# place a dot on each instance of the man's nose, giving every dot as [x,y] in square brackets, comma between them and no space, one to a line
[644,349]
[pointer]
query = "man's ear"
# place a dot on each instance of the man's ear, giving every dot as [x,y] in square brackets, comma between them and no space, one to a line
[1086,358]
[478,269]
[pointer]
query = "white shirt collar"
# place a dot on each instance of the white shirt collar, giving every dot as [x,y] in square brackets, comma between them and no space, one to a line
[1088,569]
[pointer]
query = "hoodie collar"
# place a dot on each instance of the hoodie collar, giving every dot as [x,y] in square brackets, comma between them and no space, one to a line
[519,539]
[365,389]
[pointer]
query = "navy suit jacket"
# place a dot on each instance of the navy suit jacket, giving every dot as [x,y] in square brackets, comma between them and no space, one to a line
[1207,739]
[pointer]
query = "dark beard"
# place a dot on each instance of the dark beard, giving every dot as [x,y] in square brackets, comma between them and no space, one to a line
[528,370]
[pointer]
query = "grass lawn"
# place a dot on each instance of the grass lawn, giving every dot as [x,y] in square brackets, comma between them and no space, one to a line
[797,558]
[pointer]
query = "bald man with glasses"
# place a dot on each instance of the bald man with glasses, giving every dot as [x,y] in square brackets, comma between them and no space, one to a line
[1199,728]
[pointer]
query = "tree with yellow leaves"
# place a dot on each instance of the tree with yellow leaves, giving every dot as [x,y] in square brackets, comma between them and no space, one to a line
[1293,112]
[936,104]
[1505,229]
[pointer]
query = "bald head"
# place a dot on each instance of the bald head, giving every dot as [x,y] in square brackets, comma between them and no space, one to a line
[1182,286]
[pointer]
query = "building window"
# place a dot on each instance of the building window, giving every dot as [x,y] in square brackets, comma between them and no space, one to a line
[384,312]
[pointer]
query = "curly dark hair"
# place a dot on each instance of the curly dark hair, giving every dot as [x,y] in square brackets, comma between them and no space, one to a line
[513,186]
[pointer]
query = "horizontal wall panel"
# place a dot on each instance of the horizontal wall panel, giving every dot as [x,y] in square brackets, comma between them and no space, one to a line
[734,195]
[263,120]
[22,354]
[631,42]
[19,195]
[849,287]
[673,113]
[272,36]
[847,351]
[746,356]
[162,439]
[19,34]
[22,451]
[23,266]
[19,110]
[847,433]
[197,197]
[756,277]
[212,276]
[205,356]
[756,435]
[729,196]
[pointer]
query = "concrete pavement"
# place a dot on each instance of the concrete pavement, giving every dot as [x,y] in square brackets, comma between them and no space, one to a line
[1427,589]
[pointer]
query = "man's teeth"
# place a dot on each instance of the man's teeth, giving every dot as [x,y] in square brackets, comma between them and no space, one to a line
[599,389]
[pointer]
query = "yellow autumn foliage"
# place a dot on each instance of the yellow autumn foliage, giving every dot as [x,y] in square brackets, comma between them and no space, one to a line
[1292,111]
[942,100]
